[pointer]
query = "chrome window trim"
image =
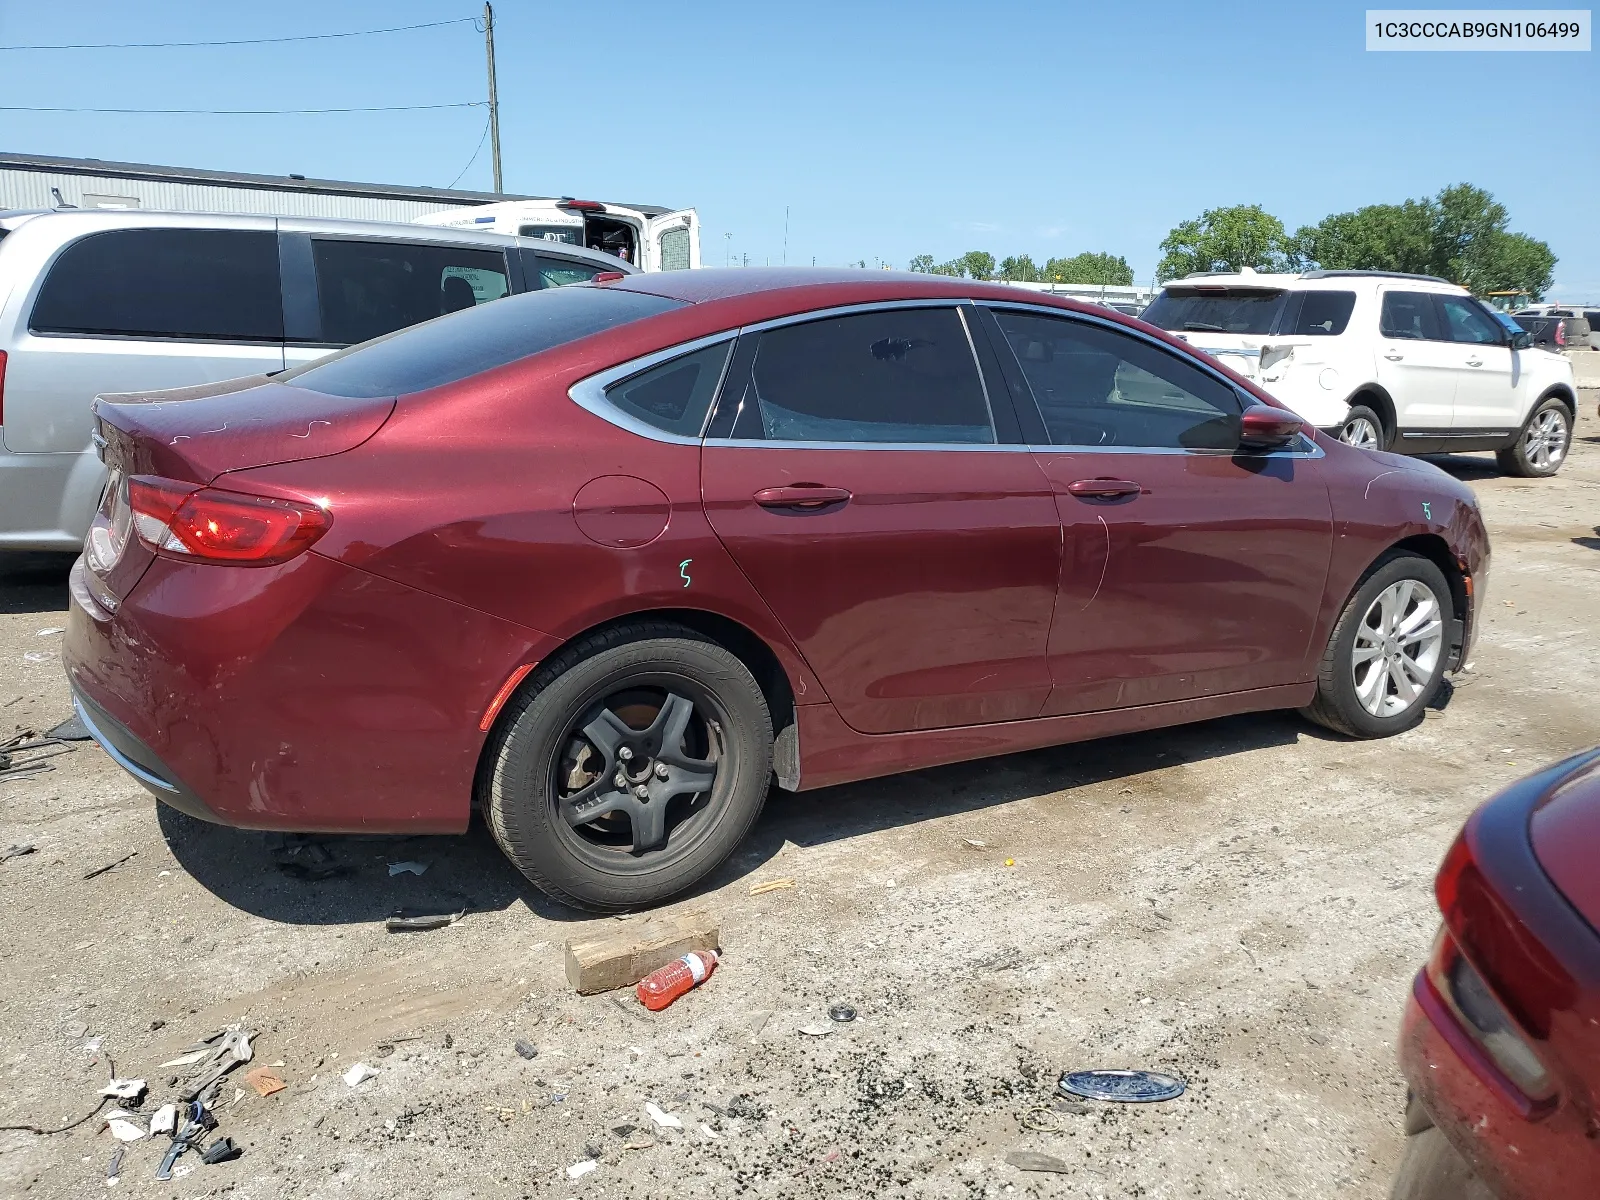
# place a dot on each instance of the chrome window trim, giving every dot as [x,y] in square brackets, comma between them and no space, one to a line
[590,394]
[1310,448]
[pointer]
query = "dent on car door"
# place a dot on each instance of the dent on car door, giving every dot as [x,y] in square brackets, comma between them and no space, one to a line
[1189,568]
[856,473]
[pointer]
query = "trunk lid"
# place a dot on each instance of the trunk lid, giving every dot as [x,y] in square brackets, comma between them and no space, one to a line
[192,436]
[1565,831]
[195,434]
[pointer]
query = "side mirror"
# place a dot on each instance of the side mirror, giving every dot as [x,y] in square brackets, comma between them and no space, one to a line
[1521,340]
[1262,427]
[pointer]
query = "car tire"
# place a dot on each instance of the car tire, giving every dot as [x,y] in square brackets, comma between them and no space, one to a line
[1363,429]
[605,711]
[1542,443]
[1432,1169]
[1364,689]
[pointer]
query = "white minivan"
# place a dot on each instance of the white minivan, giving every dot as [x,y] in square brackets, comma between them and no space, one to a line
[651,238]
[102,301]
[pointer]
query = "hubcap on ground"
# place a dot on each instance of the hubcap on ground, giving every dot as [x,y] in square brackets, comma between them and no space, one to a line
[1359,432]
[1545,443]
[630,776]
[1397,647]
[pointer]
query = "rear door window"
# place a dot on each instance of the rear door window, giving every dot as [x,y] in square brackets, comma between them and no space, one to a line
[674,396]
[1409,315]
[1203,309]
[190,284]
[896,375]
[1101,387]
[366,289]
[1317,314]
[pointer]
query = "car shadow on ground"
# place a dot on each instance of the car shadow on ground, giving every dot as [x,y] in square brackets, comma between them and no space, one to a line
[333,880]
[1466,466]
[33,582]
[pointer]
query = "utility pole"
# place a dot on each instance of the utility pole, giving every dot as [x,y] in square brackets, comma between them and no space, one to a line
[494,95]
[786,235]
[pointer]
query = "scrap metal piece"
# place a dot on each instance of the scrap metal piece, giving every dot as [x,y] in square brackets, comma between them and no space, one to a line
[1122,1087]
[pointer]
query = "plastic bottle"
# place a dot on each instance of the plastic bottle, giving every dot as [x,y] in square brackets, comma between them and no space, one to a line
[661,987]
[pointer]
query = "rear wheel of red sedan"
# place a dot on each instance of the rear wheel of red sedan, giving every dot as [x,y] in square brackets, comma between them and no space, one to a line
[630,768]
[1387,655]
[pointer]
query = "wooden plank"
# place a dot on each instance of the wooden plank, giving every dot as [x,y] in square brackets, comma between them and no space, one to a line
[629,950]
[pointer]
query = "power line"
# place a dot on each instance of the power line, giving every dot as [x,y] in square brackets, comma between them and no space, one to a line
[305,37]
[474,158]
[243,112]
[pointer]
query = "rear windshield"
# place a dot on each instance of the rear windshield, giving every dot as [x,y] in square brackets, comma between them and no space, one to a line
[476,339]
[1215,309]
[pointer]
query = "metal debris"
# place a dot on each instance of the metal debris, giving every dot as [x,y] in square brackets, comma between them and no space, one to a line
[405,868]
[400,923]
[17,850]
[220,1151]
[527,1049]
[1123,1087]
[112,866]
[123,1089]
[1028,1160]
[70,730]
[842,1012]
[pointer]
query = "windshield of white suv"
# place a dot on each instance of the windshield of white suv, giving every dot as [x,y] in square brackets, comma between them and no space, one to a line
[1202,309]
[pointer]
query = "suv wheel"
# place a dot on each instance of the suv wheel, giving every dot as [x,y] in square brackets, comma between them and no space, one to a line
[1386,657]
[630,768]
[1541,447]
[1362,428]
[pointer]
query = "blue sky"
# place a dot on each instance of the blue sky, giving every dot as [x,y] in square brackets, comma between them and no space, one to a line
[888,130]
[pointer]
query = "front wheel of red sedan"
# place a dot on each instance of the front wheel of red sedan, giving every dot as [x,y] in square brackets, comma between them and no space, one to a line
[1387,655]
[630,768]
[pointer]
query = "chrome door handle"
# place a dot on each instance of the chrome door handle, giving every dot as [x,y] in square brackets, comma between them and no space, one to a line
[1394,357]
[1474,362]
[1103,489]
[805,497]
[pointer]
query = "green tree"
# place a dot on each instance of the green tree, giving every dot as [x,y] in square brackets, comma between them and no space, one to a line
[953,267]
[922,263]
[1226,239]
[1090,267]
[1019,269]
[1380,237]
[1460,235]
[979,264]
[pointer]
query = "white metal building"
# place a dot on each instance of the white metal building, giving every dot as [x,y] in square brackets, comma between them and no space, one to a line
[33,181]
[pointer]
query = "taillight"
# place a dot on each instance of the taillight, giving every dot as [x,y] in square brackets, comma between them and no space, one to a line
[1561,333]
[2,387]
[1484,1019]
[201,524]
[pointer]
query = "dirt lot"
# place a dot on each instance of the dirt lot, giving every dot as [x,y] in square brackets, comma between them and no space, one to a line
[1243,902]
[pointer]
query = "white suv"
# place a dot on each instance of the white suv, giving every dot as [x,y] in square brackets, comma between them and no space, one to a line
[1383,360]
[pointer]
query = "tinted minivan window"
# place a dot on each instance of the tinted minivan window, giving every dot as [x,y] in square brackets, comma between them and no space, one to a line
[465,343]
[202,284]
[897,375]
[368,289]
[1100,387]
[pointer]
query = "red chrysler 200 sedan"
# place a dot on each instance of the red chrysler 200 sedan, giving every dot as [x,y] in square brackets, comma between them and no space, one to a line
[1501,1041]
[606,560]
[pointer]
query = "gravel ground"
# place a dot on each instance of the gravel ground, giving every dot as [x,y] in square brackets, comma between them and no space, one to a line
[1242,902]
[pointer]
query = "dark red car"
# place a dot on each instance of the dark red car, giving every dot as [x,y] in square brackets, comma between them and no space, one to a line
[1501,1041]
[606,560]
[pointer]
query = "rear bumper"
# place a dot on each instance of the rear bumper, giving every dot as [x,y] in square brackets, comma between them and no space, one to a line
[1520,1159]
[307,697]
[137,759]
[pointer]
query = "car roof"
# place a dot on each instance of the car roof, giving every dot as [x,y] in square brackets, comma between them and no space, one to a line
[1312,280]
[730,283]
[159,218]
